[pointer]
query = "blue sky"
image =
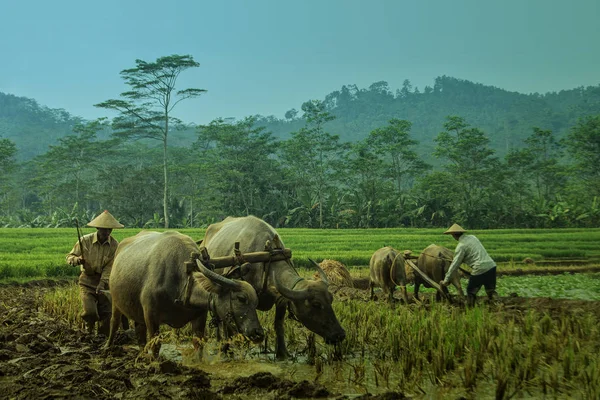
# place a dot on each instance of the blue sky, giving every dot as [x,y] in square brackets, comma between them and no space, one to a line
[268,56]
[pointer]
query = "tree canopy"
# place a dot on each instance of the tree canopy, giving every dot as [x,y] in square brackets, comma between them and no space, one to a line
[455,152]
[146,109]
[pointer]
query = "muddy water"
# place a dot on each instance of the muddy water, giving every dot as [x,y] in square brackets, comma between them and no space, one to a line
[222,371]
[338,377]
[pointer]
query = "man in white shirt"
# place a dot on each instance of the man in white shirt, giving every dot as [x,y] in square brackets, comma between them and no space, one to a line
[483,269]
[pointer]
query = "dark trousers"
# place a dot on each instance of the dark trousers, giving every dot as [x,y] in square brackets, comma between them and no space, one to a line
[487,280]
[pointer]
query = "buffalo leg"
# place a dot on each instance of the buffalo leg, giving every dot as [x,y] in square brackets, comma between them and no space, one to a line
[141,333]
[115,319]
[280,349]
[199,325]
[438,295]
[404,293]
[417,287]
[153,330]
[124,322]
[372,287]
[391,296]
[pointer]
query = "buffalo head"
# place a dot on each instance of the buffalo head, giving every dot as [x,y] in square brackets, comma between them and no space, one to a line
[310,302]
[235,303]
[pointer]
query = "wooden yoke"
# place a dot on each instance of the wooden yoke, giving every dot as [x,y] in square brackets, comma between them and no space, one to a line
[238,258]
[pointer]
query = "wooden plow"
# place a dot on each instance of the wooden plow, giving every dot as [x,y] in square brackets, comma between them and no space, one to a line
[427,279]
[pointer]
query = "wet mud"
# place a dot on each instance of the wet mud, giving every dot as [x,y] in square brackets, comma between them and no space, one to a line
[44,358]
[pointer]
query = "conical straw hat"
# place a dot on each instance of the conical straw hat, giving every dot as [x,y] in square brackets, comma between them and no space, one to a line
[105,220]
[456,228]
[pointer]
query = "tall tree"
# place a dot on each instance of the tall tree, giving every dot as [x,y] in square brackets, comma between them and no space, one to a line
[146,109]
[312,155]
[583,143]
[534,175]
[8,149]
[363,180]
[67,172]
[471,164]
[544,153]
[394,144]
[240,161]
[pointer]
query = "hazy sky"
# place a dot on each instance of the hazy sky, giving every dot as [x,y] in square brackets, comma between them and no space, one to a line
[268,56]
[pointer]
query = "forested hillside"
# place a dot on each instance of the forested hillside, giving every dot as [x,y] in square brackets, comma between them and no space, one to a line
[32,127]
[506,117]
[458,152]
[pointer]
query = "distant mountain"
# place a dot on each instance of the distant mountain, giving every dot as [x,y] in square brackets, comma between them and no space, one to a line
[32,127]
[507,117]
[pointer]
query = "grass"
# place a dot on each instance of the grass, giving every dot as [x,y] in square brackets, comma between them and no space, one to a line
[437,348]
[419,350]
[565,286]
[40,252]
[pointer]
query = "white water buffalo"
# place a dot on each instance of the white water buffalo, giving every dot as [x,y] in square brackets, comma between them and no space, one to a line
[307,300]
[435,261]
[150,283]
[386,270]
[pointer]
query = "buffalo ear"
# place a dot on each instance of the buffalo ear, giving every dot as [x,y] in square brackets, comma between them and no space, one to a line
[236,274]
[238,271]
[244,269]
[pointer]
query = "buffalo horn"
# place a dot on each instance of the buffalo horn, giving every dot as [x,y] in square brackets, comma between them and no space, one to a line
[218,279]
[289,293]
[321,272]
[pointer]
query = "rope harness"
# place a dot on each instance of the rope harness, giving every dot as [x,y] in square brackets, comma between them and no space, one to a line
[229,319]
[281,299]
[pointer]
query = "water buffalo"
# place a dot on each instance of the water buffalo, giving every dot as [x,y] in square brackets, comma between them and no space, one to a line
[151,284]
[386,270]
[435,261]
[277,283]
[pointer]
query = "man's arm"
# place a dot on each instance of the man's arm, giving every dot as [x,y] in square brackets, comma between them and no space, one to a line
[459,255]
[105,276]
[74,257]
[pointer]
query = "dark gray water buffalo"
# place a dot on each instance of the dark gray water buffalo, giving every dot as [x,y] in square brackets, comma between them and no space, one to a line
[308,300]
[151,284]
[386,270]
[435,261]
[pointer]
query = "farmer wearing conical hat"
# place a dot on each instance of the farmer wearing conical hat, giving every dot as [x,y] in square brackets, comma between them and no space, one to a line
[95,260]
[470,251]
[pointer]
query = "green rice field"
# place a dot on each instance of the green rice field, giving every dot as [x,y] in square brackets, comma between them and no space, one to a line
[533,344]
[40,252]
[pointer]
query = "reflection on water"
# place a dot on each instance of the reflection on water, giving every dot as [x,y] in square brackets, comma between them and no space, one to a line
[349,377]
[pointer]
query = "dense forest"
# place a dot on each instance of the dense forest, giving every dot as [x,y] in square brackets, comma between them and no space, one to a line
[455,152]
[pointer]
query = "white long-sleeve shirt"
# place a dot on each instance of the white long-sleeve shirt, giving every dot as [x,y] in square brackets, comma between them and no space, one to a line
[470,251]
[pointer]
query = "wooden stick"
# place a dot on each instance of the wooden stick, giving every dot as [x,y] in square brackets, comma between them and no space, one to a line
[426,278]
